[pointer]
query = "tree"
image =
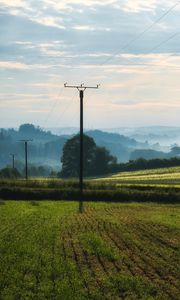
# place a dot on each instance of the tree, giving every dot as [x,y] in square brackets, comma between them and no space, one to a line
[175,151]
[103,161]
[9,173]
[96,160]
[70,157]
[29,129]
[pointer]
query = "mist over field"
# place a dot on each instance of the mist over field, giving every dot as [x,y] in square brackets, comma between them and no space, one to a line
[123,143]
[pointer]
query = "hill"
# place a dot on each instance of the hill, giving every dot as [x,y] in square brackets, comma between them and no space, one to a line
[119,145]
[46,147]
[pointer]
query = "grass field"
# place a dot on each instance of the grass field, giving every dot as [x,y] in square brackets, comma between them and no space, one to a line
[112,251]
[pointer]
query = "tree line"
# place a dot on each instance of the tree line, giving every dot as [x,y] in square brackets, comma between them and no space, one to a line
[98,161]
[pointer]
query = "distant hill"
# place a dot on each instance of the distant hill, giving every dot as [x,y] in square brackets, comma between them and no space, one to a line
[46,147]
[165,135]
[147,154]
[151,154]
[119,145]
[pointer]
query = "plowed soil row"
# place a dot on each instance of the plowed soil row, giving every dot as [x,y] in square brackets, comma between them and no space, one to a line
[111,251]
[142,250]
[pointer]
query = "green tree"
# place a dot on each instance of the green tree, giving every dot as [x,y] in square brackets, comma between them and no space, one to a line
[9,173]
[175,151]
[70,157]
[97,160]
[103,161]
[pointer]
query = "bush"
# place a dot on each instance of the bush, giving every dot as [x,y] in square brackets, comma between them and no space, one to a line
[10,173]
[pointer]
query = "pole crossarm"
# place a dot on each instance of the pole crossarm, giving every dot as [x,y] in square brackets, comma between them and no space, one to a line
[81,86]
[25,141]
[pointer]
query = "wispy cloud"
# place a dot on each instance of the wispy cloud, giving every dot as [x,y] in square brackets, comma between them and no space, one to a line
[14,65]
[14,3]
[21,66]
[128,5]
[90,28]
[49,21]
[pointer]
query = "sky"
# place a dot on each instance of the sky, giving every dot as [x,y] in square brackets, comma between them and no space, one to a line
[129,47]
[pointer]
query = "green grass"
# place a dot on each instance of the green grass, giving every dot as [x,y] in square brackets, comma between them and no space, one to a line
[112,251]
[95,245]
[132,287]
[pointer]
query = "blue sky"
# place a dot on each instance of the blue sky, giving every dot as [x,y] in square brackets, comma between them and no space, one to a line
[45,43]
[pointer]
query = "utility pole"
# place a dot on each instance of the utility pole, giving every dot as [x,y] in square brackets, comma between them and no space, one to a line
[81,88]
[26,156]
[13,160]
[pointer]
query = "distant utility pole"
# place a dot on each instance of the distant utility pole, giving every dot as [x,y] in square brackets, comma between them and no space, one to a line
[13,160]
[81,88]
[26,156]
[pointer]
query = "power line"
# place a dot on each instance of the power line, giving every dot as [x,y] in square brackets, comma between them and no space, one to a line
[155,48]
[152,25]
[158,46]
[67,107]
[165,41]
[53,107]
[151,50]
[144,31]
[148,28]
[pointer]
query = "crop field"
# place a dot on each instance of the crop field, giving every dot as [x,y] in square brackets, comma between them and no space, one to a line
[159,177]
[159,185]
[111,251]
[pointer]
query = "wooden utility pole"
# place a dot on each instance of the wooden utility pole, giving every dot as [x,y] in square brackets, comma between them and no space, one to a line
[13,160]
[81,88]
[26,156]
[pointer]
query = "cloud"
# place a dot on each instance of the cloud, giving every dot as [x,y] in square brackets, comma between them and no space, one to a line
[127,5]
[69,4]
[139,5]
[49,21]
[21,66]
[14,3]
[47,42]
[90,28]
[46,85]
[13,65]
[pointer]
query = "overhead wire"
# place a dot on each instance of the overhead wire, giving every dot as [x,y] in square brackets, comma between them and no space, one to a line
[122,48]
[153,49]
[146,66]
[66,107]
[53,107]
[148,28]
[153,24]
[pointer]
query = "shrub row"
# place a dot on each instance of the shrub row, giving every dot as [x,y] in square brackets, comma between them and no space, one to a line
[118,195]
